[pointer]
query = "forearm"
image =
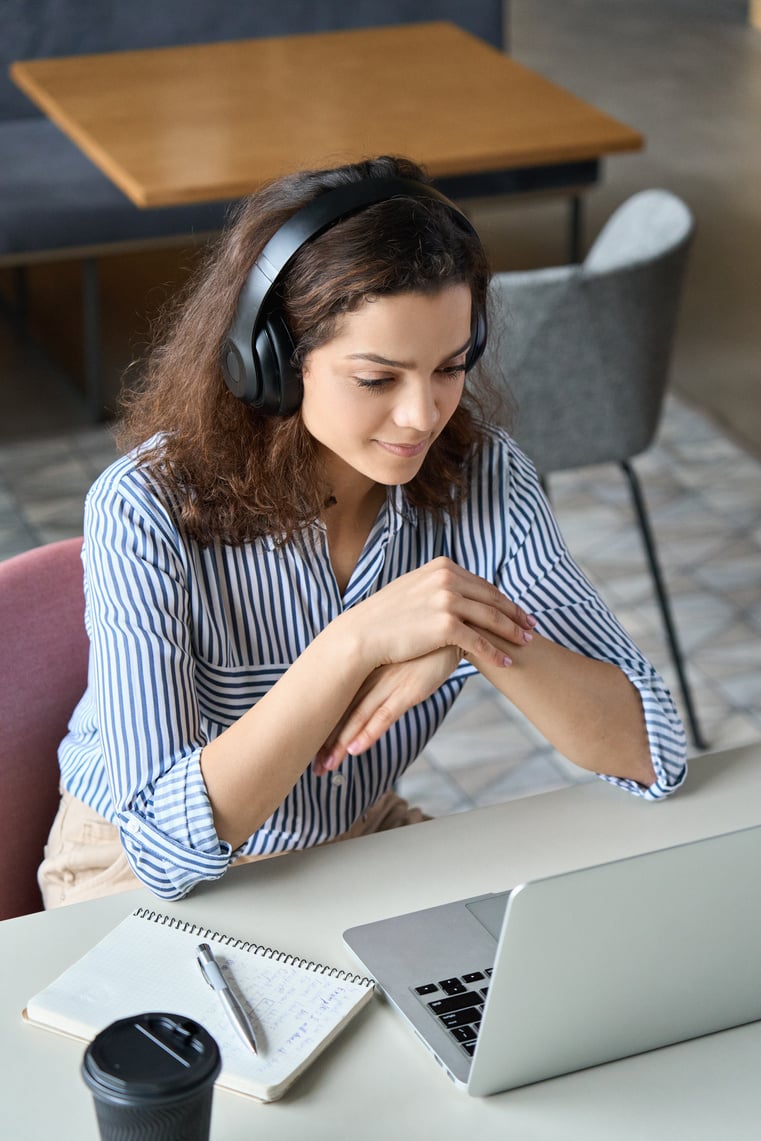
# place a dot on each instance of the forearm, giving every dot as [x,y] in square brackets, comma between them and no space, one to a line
[587,709]
[252,766]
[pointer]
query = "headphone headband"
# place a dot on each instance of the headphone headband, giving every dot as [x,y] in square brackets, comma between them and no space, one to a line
[256,355]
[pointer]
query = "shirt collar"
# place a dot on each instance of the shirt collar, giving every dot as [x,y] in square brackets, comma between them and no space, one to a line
[399,509]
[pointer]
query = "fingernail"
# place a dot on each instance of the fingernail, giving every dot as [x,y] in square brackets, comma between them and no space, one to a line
[531,620]
[527,637]
[507,661]
[353,748]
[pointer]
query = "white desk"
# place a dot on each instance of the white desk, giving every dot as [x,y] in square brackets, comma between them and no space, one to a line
[376,1074]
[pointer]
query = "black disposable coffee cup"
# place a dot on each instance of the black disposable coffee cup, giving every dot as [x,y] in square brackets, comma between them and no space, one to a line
[152,1078]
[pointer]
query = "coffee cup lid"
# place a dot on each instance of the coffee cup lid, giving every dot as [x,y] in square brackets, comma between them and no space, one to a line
[150,1056]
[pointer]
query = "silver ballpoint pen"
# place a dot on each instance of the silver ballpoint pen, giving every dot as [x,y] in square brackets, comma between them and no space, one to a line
[217,981]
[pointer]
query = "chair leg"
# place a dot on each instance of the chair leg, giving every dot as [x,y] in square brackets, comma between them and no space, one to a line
[663,601]
[16,308]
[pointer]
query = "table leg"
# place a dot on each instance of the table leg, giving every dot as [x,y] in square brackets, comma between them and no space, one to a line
[575,229]
[91,335]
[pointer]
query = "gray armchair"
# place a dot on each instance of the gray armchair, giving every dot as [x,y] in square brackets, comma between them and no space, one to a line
[584,352]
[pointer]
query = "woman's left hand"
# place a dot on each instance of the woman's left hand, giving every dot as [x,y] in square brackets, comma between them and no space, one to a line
[388,693]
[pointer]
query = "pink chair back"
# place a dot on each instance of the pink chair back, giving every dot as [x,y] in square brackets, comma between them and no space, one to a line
[43,674]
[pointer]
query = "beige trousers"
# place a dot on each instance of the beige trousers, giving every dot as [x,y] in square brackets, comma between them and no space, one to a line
[84,858]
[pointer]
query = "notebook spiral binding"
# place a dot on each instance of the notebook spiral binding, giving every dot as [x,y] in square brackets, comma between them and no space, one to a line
[204,933]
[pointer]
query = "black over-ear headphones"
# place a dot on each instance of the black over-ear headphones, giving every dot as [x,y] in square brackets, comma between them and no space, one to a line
[257,352]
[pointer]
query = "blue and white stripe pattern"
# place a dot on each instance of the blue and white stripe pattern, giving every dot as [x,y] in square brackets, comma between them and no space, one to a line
[185,639]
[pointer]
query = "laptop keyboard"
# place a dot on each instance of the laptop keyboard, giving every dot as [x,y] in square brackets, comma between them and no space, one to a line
[458,1004]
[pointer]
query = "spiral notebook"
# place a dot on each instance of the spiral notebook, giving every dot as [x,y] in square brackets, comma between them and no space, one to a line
[148,963]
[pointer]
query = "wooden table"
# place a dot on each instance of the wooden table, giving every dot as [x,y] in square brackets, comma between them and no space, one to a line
[215,121]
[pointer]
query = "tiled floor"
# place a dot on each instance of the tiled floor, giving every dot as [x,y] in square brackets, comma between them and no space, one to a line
[42,486]
[705,500]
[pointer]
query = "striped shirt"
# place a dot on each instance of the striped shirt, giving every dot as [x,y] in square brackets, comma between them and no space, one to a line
[184,639]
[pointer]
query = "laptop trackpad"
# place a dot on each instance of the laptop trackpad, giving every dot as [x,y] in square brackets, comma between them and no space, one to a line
[490,911]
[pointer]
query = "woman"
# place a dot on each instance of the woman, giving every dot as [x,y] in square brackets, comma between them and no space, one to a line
[314,540]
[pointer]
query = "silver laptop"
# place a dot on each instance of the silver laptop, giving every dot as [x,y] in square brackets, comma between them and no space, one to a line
[581,968]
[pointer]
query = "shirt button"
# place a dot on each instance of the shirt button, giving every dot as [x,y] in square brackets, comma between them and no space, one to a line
[337,780]
[133,826]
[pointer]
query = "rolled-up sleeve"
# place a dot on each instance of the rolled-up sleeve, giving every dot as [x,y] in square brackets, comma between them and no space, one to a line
[142,677]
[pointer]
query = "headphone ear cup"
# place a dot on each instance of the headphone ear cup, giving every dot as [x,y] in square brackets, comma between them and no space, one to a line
[237,376]
[478,342]
[279,388]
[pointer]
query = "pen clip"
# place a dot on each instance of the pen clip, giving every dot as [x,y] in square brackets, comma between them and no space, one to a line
[204,956]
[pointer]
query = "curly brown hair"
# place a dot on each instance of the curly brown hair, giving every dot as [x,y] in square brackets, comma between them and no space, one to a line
[235,473]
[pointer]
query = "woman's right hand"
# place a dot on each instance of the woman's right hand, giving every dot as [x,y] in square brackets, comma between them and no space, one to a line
[443,599]
[439,604]
[386,694]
